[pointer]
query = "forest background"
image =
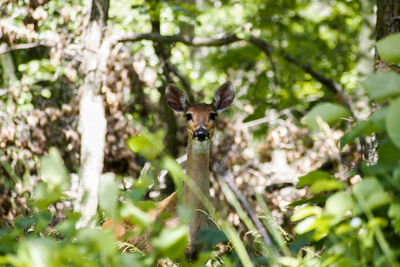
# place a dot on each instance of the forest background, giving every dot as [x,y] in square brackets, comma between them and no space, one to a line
[310,145]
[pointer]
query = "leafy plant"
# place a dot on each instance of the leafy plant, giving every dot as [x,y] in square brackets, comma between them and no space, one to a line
[358,225]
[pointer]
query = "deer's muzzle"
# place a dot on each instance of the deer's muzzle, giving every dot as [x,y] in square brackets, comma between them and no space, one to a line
[201,134]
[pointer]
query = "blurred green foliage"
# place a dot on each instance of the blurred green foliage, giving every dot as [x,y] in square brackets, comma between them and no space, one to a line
[338,224]
[358,224]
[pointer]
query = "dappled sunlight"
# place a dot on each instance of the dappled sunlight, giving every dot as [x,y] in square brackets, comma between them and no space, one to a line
[199,133]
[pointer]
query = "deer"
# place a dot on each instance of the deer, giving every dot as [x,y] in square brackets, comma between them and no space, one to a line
[200,125]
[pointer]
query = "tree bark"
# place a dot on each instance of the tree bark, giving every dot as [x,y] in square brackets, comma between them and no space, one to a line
[92,121]
[387,22]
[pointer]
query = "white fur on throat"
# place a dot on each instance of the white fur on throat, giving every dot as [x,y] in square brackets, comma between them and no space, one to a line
[201,147]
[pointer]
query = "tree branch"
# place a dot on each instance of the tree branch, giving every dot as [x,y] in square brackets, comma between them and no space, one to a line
[228,179]
[6,49]
[306,67]
[259,42]
[155,37]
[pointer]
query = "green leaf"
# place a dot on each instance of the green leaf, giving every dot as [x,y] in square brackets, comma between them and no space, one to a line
[136,215]
[45,195]
[393,121]
[388,154]
[305,225]
[366,187]
[211,236]
[372,192]
[53,170]
[389,49]
[394,213]
[354,132]
[36,252]
[394,210]
[175,170]
[171,243]
[382,85]
[312,200]
[378,119]
[108,194]
[312,177]
[97,240]
[378,199]
[328,112]
[375,123]
[377,222]
[326,185]
[147,144]
[305,212]
[338,204]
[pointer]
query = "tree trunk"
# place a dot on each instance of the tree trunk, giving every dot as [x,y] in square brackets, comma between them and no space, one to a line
[92,121]
[387,22]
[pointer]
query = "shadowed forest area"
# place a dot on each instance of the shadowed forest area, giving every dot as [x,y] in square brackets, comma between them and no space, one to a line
[107,159]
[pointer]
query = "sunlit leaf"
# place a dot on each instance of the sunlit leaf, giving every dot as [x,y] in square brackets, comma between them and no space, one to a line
[305,212]
[52,169]
[97,240]
[136,215]
[372,193]
[378,199]
[312,200]
[171,242]
[147,144]
[393,121]
[382,85]
[326,185]
[394,210]
[312,177]
[108,194]
[367,186]
[46,195]
[338,204]
[305,225]
[328,112]
[389,49]
[175,170]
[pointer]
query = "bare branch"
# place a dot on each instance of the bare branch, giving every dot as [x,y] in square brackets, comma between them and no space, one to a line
[228,179]
[135,37]
[6,49]
[328,82]
[259,42]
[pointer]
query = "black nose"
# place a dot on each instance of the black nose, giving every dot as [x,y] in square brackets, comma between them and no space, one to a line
[201,134]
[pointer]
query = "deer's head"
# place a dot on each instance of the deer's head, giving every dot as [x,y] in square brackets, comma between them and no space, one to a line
[200,118]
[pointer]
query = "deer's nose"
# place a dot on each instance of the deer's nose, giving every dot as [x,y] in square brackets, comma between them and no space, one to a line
[201,134]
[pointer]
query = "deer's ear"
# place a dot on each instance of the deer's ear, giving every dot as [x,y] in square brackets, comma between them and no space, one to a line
[176,99]
[223,97]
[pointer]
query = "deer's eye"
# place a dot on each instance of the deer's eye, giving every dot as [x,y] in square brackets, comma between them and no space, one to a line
[213,116]
[188,116]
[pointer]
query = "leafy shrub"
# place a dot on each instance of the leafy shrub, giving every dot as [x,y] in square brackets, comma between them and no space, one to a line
[359,224]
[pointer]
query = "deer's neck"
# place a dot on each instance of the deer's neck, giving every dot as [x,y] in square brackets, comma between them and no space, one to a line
[198,163]
[198,160]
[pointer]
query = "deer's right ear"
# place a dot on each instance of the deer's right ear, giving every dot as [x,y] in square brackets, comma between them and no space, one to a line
[176,99]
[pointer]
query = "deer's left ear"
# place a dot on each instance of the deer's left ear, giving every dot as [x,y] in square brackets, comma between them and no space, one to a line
[176,99]
[223,97]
